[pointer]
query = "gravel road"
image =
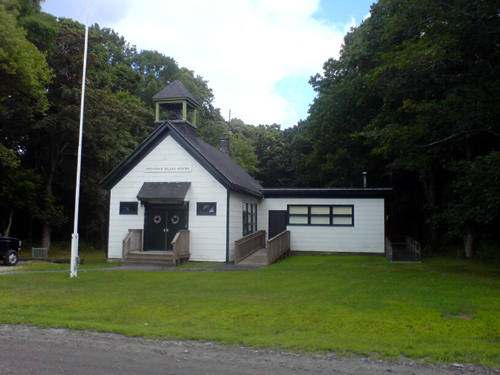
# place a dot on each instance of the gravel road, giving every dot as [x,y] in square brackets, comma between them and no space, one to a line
[36,351]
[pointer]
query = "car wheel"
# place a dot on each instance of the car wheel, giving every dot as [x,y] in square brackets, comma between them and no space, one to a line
[11,258]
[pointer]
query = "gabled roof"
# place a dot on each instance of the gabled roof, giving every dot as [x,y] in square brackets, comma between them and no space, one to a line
[218,164]
[176,90]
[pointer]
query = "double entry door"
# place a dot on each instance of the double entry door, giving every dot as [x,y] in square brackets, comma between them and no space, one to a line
[161,224]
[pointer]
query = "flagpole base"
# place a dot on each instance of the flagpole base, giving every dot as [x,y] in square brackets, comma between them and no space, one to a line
[74,256]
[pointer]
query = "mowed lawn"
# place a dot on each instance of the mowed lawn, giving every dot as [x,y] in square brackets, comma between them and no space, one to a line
[442,310]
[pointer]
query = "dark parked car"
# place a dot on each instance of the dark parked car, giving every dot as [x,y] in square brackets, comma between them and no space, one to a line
[9,250]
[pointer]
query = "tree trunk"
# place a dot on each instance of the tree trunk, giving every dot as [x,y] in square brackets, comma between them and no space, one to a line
[468,242]
[7,230]
[47,229]
[429,184]
[46,236]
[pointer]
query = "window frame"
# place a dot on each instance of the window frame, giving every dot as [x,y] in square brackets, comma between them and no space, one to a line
[200,212]
[125,208]
[249,218]
[314,219]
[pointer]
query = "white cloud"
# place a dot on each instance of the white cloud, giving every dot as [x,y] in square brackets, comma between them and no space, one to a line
[243,48]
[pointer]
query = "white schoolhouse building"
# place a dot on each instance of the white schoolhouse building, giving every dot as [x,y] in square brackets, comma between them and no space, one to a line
[175,182]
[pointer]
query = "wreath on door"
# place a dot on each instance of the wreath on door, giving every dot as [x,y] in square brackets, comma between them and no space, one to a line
[175,219]
[157,219]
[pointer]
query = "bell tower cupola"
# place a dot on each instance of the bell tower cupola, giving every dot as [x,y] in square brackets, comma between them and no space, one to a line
[175,102]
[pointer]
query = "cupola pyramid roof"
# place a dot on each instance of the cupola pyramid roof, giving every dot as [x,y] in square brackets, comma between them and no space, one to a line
[176,90]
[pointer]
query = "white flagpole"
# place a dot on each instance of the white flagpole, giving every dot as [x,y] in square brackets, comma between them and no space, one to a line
[74,237]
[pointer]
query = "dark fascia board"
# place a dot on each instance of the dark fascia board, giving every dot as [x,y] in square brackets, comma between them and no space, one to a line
[327,193]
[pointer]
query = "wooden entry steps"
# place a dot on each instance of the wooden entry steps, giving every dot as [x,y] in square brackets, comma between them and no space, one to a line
[155,258]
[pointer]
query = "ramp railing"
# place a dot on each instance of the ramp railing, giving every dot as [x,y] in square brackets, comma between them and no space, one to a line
[248,245]
[278,246]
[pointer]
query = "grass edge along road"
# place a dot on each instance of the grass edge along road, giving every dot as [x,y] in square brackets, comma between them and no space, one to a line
[442,310]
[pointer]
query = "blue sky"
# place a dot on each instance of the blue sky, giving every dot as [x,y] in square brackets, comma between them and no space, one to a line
[257,55]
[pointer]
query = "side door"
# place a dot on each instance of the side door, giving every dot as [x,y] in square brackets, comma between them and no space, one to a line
[277,222]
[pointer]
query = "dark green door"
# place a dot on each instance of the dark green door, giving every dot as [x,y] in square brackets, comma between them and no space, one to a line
[161,224]
[155,229]
[176,221]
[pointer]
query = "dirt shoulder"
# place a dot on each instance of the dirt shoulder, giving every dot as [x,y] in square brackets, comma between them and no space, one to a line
[32,350]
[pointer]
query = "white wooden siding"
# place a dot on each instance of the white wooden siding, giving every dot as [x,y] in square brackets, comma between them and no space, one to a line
[236,219]
[207,233]
[366,236]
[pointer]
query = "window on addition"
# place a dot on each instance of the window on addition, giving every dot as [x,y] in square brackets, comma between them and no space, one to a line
[249,218]
[338,215]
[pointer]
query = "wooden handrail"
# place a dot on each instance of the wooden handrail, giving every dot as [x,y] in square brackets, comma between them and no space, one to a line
[248,245]
[277,246]
[180,246]
[410,244]
[414,246]
[132,242]
[388,249]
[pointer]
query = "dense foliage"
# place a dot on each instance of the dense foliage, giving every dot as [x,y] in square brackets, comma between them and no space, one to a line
[40,92]
[413,100]
[415,96]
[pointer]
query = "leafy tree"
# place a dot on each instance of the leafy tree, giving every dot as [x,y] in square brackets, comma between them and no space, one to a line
[19,188]
[114,123]
[23,71]
[329,150]
[273,153]
[40,85]
[474,198]
[24,74]
[417,85]
[241,152]
[157,71]
[439,76]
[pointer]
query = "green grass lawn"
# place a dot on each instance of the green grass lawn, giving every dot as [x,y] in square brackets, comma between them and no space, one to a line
[442,310]
[94,258]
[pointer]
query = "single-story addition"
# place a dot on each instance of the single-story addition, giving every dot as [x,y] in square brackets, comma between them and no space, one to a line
[175,181]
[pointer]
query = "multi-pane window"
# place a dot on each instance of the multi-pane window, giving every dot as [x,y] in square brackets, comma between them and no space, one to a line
[249,218]
[339,215]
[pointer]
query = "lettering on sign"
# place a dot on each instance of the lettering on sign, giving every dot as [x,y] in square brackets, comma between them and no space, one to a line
[168,169]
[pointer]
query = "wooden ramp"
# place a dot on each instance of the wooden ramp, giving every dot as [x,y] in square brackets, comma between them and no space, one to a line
[261,255]
[257,259]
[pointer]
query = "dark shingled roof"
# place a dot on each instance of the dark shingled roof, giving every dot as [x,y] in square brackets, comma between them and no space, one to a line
[236,176]
[176,90]
[163,191]
[217,163]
